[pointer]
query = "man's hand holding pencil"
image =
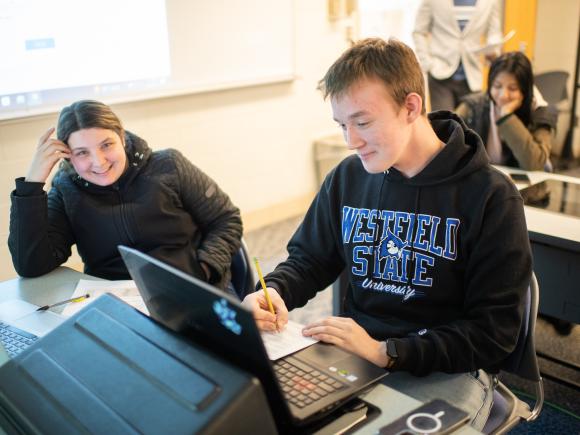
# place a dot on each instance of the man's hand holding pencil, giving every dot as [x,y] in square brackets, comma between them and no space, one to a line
[265,320]
[268,307]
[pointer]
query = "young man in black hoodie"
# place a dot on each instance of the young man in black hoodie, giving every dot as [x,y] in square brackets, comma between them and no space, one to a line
[433,238]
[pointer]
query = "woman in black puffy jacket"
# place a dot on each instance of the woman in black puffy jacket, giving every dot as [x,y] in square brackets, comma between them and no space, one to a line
[110,190]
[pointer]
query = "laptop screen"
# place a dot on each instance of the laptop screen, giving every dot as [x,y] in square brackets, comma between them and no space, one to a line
[219,322]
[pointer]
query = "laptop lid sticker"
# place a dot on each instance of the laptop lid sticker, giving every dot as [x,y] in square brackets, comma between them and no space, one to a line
[227,316]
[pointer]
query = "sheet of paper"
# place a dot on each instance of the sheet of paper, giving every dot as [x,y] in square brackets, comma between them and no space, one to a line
[280,344]
[124,290]
[493,46]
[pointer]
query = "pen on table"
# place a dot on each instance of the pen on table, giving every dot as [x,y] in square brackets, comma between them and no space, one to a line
[68,301]
[270,306]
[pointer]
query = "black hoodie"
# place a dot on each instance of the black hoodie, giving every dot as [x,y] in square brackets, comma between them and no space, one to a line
[162,205]
[445,277]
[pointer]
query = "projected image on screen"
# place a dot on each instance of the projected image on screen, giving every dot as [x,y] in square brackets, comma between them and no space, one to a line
[61,50]
[54,52]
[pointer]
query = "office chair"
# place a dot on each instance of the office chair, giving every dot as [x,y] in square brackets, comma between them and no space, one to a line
[243,279]
[507,410]
[552,85]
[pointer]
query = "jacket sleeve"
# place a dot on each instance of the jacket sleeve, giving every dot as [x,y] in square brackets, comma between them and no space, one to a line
[494,31]
[530,148]
[463,111]
[315,259]
[421,34]
[212,210]
[40,237]
[497,276]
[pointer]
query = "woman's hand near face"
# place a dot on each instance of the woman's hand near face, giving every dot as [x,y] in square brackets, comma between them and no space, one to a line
[48,152]
[512,105]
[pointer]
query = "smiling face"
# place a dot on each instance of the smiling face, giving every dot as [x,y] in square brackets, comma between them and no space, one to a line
[98,155]
[373,125]
[505,89]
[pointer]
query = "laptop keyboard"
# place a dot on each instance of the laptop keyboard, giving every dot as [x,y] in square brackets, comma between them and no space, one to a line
[15,340]
[302,384]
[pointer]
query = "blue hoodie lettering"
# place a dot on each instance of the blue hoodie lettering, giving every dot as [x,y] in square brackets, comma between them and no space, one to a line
[403,254]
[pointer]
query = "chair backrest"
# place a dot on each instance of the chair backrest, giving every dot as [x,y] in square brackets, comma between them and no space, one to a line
[507,410]
[523,361]
[243,279]
[552,85]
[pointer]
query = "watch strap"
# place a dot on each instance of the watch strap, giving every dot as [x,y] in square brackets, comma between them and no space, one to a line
[391,353]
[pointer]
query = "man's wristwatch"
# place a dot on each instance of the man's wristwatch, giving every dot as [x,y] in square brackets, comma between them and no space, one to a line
[391,353]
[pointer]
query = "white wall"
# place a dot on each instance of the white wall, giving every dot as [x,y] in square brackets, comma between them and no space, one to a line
[555,49]
[556,35]
[255,142]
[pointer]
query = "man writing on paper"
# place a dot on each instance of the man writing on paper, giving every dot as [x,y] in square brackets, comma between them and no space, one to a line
[433,239]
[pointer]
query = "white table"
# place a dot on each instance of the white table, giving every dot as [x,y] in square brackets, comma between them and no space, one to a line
[55,286]
[555,241]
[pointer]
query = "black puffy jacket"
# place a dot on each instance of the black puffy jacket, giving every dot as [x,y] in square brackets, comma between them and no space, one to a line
[162,205]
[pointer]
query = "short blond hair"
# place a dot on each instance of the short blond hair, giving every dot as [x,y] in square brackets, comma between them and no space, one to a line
[392,62]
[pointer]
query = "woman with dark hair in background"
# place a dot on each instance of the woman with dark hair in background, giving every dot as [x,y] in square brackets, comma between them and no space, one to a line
[515,123]
[112,189]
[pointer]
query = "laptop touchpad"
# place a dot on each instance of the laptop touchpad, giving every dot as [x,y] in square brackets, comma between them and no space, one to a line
[322,353]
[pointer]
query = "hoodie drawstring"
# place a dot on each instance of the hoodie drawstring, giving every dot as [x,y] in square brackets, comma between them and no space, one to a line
[411,268]
[413,229]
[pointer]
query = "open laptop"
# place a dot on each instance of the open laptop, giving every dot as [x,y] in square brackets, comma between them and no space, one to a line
[21,325]
[301,387]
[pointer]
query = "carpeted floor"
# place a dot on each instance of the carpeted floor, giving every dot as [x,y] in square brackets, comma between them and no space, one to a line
[561,414]
[552,420]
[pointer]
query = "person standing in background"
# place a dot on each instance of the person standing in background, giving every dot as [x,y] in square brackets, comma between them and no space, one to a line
[446,34]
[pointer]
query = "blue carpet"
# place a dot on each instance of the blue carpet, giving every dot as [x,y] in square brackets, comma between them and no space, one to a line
[552,420]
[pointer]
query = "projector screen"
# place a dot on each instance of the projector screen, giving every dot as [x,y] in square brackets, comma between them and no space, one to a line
[59,51]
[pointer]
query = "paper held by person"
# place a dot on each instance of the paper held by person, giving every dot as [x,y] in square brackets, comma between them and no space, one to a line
[495,45]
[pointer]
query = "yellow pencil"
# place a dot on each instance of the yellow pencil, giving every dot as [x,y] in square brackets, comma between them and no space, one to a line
[270,306]
[77,299]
